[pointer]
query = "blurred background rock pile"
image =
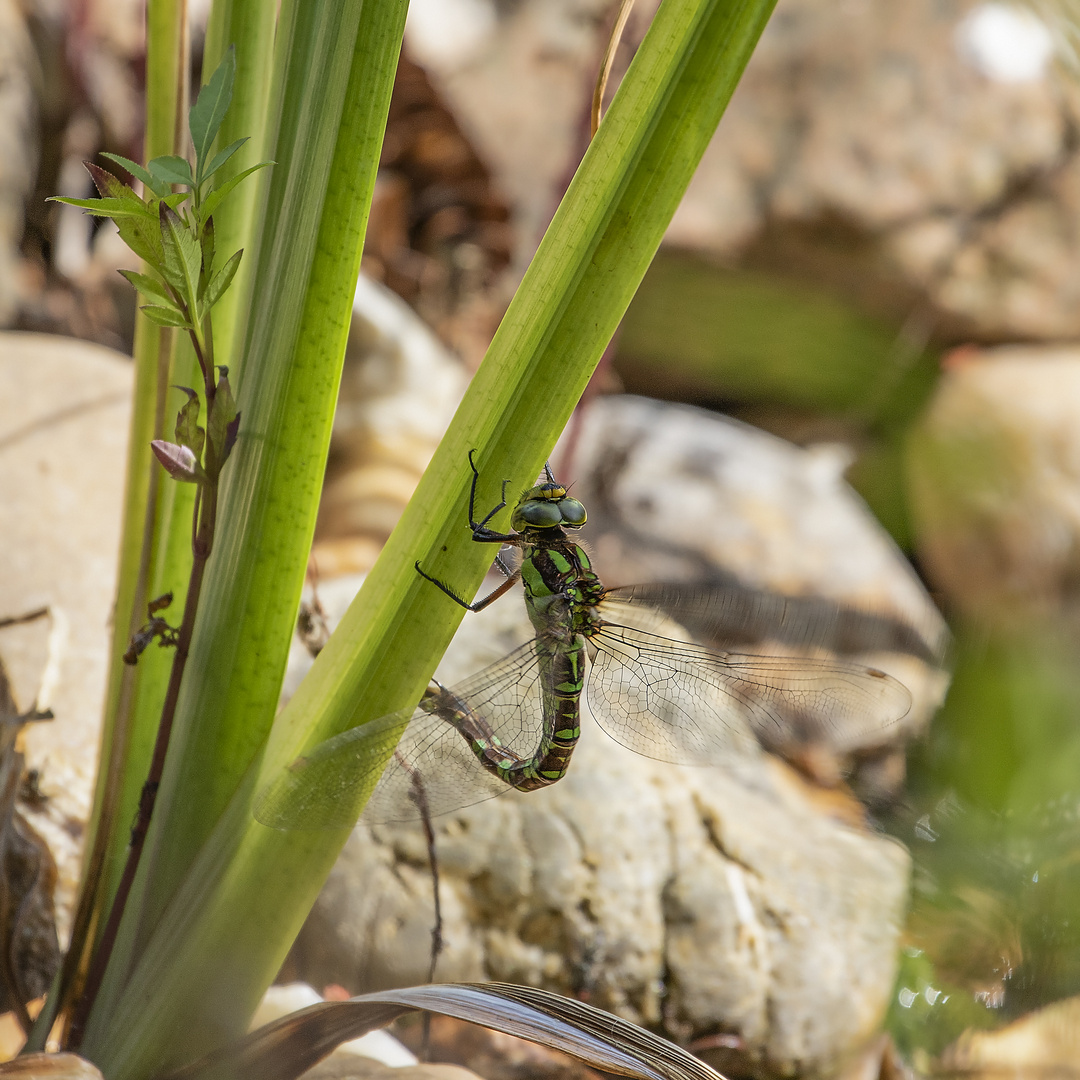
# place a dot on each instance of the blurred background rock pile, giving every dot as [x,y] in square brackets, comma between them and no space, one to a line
[878,261]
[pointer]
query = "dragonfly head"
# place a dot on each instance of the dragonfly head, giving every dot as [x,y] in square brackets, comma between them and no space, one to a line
[547,506]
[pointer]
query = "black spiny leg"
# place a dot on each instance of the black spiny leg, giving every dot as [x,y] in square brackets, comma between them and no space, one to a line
[478,605]
[482,535]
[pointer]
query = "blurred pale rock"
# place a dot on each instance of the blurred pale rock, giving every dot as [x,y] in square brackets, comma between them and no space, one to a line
[1043,1043]
[994,474]
[18,145]
[64,409]
[1007,43]
[351,1067]
[494,1054]
[673,491]
[907,155]
[869,140]
[695,898]
[51,1067]
[377,1045]
[521,90]
[399,389]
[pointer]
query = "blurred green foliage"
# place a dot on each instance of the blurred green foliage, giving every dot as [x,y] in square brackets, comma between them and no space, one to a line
[785,355]
[994,822]
[705,333]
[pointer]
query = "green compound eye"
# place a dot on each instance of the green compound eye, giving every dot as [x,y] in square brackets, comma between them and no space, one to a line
[573,513]
[541,515]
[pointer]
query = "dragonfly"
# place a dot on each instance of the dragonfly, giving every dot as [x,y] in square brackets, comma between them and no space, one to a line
[515,723]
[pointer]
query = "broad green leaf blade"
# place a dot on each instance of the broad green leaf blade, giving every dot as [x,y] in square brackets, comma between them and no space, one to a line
[250,26]
[154,508]
[288,1047]
[331,115]
[171,169]
[209,110]
[222,156]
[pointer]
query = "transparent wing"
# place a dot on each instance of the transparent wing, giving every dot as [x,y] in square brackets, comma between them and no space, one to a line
[326,787]
[730,615]
[688,705]
[432,762]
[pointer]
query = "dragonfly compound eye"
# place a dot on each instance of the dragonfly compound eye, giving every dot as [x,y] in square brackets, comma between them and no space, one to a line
[573,513]
[539,514]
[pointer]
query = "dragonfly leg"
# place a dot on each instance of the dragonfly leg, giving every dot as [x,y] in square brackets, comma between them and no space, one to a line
[481,533]
[478,605]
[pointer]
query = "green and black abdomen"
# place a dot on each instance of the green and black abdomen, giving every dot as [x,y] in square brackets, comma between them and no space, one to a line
[560,592]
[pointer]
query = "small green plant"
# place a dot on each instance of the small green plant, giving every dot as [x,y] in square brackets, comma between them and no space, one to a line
[173,233]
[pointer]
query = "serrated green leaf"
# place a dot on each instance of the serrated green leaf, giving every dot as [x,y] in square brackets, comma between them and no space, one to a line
[222,414]
[113,208]
[221,281]
[222,156]
[164,316]
[144,238]
[232,430]
[112,187]
[208,236]
[156,186]
[213,200]
[106,183]
[206,115]
[150,287]
[188,432]
[183,259]
[171,169]
[178,198]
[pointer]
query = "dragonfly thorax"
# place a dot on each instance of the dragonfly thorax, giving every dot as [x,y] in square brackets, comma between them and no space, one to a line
[547,506]
[560,587]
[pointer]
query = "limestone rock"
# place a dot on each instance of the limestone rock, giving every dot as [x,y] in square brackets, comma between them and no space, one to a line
[64,409]
[349,1067]
[18,149]
[399,389]
[1042,1043]
[995,476]
[376,1046]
